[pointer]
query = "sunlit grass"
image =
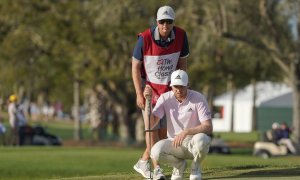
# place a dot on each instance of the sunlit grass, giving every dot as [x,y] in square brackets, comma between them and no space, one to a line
[116,163]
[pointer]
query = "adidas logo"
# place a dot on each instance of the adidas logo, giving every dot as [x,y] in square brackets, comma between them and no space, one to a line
[190,110]
[178,77]
[166,13]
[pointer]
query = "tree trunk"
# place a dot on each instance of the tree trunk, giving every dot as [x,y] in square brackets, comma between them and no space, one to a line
[121,111]
[77,123]
[230,88]
[208,92]
[296,99]
[254,120]
[123,128]
[95,115]
[139,130]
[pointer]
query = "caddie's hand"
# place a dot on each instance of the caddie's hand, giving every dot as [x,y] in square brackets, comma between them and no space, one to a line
[140,101]
[147,91]
[179,139]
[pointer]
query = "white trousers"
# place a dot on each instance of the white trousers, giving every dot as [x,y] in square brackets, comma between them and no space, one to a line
[288,143]
[193,147]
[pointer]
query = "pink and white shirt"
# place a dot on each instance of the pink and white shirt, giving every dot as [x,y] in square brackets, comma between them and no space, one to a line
[187,114]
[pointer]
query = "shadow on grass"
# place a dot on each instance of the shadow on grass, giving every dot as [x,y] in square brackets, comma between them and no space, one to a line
[287,172]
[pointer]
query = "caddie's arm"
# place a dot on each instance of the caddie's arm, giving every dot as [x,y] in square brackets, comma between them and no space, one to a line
[137,81]
[205,127]
[182,63]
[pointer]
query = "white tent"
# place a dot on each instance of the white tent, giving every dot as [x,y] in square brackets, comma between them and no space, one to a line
[268,94]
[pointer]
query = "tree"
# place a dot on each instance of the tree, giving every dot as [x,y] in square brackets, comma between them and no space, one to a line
[266,27]
[48,45]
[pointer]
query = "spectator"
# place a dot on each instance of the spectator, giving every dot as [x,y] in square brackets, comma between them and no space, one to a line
[34,111]
[2,131]
[280,134]
[59,110]
[275,132]
[284,138]
[285,130]
[13,120]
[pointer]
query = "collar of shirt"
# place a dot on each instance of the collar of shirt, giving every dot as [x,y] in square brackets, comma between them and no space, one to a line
[185,100]
[158,39]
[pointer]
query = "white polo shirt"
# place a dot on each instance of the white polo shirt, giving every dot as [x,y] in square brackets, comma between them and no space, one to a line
[187,114]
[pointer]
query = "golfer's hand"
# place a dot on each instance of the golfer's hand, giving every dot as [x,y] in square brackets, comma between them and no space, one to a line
[140,101]
[147,91]
[179,139]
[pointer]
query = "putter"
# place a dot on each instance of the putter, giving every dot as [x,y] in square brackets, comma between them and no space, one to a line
[148,108]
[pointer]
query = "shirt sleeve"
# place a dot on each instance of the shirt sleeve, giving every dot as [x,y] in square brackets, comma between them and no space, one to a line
[158,109]
[138,49]
[186,50]
[203,110]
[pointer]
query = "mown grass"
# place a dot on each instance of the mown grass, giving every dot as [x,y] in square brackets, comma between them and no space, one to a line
[116,163]
[240,137]
[113,163]
[59,162]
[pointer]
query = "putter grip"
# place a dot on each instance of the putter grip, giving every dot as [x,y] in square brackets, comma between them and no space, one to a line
[148,104]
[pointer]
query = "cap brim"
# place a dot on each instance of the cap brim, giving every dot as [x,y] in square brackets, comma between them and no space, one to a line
[165,17]
[177,84]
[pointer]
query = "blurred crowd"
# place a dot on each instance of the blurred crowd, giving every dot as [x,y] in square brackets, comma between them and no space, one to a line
[23,112]
[20,112]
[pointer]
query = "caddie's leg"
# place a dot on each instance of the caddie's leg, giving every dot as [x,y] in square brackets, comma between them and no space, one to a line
[146,155]
[162,132]
[143,164]
[149,131]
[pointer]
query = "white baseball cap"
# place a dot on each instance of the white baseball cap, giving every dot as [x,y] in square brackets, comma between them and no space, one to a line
[165,12]
[180,78]
[275,125]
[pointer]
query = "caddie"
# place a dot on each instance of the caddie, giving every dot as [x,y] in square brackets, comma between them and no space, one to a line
[158,52]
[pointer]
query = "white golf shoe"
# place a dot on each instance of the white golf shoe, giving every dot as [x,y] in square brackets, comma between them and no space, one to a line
[158,174]
[195,171]
[178,172]
[143,167]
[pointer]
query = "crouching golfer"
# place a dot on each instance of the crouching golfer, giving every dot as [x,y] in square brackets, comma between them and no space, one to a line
[189,127]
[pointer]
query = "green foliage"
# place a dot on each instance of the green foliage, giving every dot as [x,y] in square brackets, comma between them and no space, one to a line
[46,45]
